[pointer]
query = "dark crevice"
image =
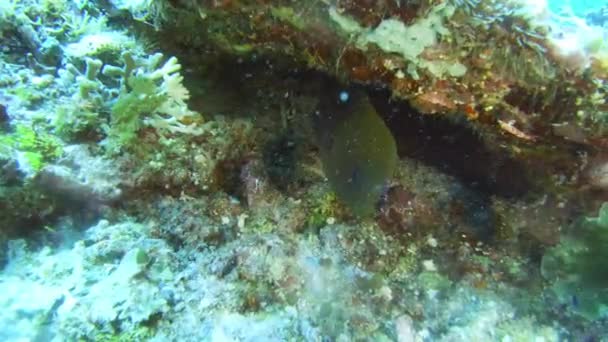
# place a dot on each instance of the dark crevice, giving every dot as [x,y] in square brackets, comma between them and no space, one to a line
[453,148]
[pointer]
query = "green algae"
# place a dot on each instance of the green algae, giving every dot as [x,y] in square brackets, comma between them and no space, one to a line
[357,150]
[577,267]
[37,147]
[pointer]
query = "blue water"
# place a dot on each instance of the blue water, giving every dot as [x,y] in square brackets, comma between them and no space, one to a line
[579,7]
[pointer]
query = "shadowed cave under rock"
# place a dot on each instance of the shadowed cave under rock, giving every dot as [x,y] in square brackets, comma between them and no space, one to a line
[453,147]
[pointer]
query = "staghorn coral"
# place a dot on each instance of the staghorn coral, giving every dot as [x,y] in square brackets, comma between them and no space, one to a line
[150,96]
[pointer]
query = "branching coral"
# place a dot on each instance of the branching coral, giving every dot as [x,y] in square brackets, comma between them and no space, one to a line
[152,96]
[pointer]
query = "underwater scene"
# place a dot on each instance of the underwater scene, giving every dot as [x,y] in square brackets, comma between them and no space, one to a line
[304,170]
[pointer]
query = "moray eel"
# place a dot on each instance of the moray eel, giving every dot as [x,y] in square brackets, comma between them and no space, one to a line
[357,150]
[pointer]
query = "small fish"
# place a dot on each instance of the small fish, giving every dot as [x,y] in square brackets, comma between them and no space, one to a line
[50,229]
[575,301]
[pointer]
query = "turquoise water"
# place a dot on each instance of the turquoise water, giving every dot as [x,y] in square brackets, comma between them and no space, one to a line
[579,7]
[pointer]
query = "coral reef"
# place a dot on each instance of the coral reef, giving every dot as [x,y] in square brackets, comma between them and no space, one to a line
[71,281]
[576,267]
[484,47]
[328,170]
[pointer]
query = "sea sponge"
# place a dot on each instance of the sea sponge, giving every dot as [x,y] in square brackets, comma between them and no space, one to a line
[408,41]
